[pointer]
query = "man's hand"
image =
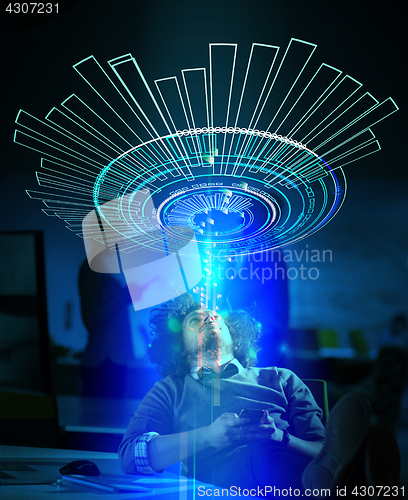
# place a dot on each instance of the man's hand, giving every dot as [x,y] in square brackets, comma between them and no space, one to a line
[265,429]
[230,429]
[226,430]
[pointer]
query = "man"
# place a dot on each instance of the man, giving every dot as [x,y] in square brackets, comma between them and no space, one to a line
[192,414]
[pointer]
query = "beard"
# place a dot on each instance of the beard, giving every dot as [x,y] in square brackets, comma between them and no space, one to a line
[210,347]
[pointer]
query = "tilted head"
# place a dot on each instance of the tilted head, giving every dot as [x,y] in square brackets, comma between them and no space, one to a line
[207,338]
[184,333]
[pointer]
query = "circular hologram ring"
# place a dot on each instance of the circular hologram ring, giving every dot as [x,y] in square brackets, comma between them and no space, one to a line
[240,190]
[221,215]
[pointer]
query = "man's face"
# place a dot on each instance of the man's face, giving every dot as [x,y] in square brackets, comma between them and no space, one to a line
[207,338]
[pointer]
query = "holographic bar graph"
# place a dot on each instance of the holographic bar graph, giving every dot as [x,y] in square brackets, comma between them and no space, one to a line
[248,150]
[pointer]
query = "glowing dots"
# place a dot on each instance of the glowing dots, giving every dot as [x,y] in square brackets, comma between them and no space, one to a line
[210,158]
[252,353]
[174,325]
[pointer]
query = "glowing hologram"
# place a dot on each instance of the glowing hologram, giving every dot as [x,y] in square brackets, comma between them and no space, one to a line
[246,152]
[150,260]
[290,209]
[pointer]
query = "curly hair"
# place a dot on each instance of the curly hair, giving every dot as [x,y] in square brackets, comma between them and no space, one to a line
[167,347]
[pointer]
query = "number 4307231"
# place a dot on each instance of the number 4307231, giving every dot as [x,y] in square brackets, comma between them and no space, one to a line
[32,8]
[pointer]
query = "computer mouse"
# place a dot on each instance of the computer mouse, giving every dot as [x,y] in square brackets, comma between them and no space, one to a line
[81,468]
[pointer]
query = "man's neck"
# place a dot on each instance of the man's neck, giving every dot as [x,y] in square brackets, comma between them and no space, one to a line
[217,365]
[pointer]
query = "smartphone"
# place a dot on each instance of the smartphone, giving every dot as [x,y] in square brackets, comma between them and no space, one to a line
[254,415]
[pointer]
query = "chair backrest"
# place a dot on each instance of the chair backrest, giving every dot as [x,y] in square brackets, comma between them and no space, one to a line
[318,388]
[28,420]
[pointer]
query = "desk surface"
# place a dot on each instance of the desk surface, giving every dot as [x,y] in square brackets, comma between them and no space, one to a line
[166,485]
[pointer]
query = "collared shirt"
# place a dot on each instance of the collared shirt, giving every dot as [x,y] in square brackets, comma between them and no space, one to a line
[227,370]
[142,460]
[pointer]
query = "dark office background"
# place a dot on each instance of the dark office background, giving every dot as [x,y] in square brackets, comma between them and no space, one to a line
[365,283]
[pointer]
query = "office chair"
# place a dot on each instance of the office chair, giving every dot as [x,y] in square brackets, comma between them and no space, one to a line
[318,388]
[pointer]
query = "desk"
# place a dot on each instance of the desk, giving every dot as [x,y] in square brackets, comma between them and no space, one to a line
[167,485]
